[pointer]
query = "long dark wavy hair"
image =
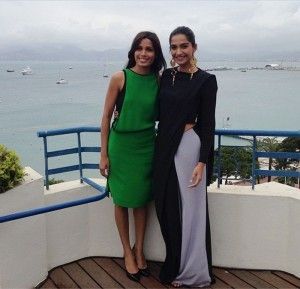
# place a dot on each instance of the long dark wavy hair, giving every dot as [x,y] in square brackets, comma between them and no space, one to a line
[159,62]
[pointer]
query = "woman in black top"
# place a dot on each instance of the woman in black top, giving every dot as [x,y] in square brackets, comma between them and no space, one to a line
[183,164]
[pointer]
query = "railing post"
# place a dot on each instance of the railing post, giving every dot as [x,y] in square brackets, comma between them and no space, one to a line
[253,162]
[46,162]
[219,160]
[80,156]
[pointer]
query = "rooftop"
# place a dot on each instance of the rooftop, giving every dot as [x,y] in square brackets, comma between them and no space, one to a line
[103,272]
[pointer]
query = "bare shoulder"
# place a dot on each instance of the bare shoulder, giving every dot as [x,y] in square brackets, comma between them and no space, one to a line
[118,76]
[117,79]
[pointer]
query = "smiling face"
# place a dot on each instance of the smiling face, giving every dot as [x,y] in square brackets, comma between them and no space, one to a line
[144,55]
[182,50]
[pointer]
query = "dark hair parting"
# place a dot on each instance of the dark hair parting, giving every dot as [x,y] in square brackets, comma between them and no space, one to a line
[159,61]
[188,32]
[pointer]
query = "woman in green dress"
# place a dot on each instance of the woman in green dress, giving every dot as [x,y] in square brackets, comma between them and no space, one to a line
[127,147]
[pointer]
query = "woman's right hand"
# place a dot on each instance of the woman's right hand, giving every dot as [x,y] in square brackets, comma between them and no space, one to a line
[116,114]
[104,166]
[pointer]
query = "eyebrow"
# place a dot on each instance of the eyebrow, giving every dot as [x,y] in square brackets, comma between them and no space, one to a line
[184,43]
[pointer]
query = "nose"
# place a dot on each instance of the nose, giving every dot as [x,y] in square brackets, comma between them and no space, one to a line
[177,51]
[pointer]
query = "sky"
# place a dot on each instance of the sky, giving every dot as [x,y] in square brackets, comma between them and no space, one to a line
[223,26]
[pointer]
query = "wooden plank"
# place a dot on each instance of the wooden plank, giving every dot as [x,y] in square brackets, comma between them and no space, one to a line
[273,279]
[147,282]
[116,272]
[251,279]
[219,284]
[154,269]
[288,277]
[62,279]
[80,276]
[98,274]
[230,279]
[48,285]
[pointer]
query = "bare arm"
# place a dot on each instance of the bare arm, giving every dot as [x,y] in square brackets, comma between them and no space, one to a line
[115,85]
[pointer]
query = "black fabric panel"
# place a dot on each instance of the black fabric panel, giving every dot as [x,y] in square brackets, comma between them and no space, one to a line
[170,223]
[121,95]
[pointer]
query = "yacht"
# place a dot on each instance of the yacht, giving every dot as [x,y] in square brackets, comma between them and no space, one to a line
[62,81]
[10,70]
[27,71]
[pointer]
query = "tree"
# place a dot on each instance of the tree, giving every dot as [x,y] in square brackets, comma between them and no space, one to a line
[269,144]
[289,144]
[236,161]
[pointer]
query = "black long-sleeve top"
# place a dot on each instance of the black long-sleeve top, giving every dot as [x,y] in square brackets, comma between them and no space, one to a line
[189,100]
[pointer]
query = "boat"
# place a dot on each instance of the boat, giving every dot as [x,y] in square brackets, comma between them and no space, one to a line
[27,71]
[70,67]
[274,66]
[104,74]
[62,81]
[243,70]
[10,70]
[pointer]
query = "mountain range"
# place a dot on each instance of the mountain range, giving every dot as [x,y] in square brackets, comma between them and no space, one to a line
[71,52]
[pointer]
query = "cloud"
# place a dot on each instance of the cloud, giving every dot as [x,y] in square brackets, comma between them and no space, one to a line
[99,25]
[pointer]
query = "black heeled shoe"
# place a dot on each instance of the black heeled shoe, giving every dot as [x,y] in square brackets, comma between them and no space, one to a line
[133,276]
[144,271]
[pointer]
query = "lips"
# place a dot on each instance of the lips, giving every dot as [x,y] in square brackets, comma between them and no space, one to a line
[180,58]
[143,59]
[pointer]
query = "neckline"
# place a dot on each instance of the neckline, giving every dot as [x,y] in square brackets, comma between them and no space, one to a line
[148,74]
[189,73]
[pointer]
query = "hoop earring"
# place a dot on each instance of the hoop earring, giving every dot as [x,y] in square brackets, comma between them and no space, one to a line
[172,63]
[194,61]
[174,71]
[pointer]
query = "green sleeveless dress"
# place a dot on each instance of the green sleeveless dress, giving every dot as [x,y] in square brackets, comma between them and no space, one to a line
[131,142]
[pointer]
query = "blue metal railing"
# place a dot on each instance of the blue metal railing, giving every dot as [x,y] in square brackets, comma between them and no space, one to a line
[81,166]
[255,154]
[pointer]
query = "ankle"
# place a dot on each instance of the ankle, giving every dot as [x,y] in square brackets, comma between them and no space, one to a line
[128,253]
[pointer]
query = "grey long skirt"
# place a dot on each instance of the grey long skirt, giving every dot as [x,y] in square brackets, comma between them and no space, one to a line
[194,264]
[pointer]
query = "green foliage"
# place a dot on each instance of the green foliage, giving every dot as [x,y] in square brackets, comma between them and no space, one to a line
[11,171]
[289,144]
[268,144]
[236,161]
[54,181]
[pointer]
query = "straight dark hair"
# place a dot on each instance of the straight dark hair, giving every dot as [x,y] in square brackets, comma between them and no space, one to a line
[188,32]
[159,62]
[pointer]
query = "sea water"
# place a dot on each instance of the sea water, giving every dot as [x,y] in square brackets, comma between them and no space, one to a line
[255,99]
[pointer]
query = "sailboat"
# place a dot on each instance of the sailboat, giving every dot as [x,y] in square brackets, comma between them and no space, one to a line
[105,75]
[61,80]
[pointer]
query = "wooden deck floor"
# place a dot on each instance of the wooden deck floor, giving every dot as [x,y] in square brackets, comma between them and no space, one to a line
[101,272]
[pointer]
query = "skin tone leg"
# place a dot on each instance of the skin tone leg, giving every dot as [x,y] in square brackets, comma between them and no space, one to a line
[140,220]
[121,217]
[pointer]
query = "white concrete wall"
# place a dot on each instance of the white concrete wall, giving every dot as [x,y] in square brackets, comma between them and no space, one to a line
[256,229]
[250,229]
[23,259]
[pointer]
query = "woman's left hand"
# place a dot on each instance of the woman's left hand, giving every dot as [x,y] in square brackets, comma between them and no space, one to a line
[197,175]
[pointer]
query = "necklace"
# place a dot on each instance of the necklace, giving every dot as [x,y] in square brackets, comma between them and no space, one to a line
[174,71]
